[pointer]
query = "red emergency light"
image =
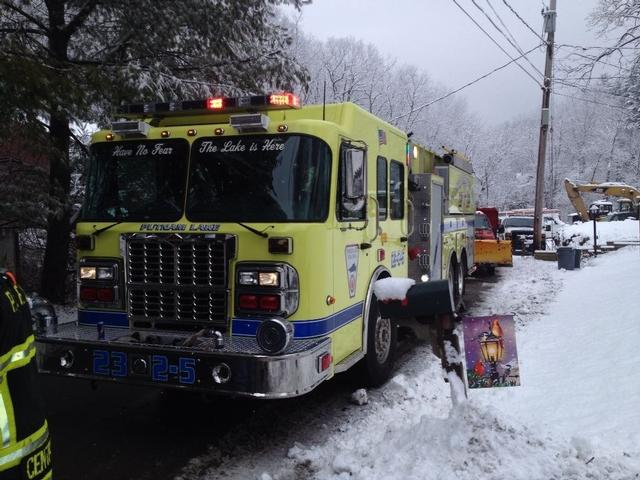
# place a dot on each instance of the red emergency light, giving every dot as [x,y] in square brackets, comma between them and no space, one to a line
[284,99]
[216,103]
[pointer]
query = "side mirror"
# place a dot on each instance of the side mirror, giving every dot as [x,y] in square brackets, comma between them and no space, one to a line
[353,174]
[500,228]
[353,179]
[547,227]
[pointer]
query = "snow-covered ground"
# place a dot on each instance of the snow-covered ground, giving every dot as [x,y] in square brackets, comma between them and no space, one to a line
[576,415]
[581,234]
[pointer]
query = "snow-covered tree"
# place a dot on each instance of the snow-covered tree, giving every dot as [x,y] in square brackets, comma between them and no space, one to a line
[621,20]
[346,69]
[68,61]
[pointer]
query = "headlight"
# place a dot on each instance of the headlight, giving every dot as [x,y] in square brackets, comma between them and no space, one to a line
[266,288]
[248,278]
[88,273]
[104,273]
[263,279]
[269,279]
[96,273]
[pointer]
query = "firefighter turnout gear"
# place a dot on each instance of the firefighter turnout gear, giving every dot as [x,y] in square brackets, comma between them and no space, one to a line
[25,448]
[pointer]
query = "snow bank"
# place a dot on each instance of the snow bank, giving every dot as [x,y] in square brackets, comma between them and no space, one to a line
[472,443]
[579,365]
[575,417]
[581,234]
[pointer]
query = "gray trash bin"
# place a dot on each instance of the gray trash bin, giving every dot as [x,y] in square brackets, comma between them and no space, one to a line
[578,257]
[566,258]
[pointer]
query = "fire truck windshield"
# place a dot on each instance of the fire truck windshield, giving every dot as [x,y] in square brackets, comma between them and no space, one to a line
[136,180]
[259,178]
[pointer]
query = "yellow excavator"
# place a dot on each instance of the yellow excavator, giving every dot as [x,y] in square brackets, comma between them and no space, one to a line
[629,197]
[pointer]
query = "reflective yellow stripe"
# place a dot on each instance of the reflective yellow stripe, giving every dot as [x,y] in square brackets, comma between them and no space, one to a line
[12,456]
[9,421]
[5,433]
[23,346]
[18,356]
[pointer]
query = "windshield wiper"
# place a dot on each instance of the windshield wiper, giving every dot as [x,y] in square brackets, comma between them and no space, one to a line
[104,229]
[254,230]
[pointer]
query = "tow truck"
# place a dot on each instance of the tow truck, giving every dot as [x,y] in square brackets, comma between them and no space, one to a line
[231,245]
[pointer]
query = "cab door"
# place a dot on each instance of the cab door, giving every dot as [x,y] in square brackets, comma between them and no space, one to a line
[351,250]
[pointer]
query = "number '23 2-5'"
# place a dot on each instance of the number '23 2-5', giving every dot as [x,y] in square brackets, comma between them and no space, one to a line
[115,364]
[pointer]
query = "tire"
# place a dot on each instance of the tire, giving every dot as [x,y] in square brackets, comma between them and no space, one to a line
[452,277]
[382,335]
[462,275]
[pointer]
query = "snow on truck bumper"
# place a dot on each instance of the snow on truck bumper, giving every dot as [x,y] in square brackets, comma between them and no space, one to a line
[238,367]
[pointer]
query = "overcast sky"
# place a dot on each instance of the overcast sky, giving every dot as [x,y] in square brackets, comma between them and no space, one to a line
[437,36]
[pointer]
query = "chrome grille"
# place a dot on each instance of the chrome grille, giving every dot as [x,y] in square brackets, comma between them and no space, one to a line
[178,280]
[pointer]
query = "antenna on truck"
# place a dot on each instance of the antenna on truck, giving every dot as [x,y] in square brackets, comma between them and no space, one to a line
[324,96]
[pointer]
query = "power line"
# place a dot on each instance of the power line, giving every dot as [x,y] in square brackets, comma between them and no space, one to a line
[504,25]
[590,89]
[498,45]
[596,60]
[465,85]
[605,77]
[593,47]
[513,42]
[617,107]
[523,21]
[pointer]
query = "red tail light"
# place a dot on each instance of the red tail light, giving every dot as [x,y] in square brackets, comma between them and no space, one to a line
[248,302]
[88,294]
[106,295]
[270,303]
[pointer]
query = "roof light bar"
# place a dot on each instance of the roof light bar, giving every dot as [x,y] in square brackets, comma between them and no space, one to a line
[274,101]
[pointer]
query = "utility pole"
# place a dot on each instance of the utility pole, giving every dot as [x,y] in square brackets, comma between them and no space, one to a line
[550,29]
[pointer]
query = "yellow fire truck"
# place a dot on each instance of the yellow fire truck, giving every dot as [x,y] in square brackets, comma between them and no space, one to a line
[232,244]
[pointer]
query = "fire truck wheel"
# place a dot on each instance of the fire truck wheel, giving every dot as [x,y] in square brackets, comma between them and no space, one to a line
[454,284]
[382,335]
[462,273]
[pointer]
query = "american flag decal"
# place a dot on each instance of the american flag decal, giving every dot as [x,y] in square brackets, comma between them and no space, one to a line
[382,137]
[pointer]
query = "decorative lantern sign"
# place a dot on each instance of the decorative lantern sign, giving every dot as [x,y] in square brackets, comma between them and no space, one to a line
[490,351]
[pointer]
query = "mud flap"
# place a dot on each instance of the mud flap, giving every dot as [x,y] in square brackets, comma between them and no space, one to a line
[422,300]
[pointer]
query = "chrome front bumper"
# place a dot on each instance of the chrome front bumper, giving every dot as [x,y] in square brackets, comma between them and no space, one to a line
[162,359]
